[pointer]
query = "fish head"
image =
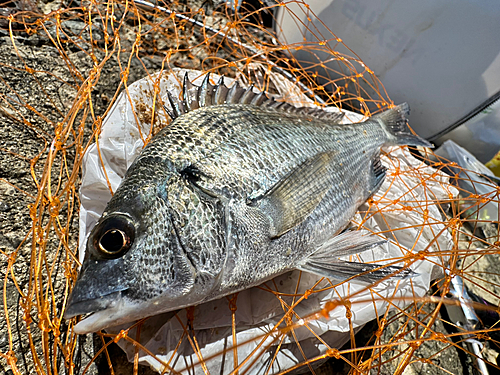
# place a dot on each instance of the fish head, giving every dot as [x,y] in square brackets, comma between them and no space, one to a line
[158,247]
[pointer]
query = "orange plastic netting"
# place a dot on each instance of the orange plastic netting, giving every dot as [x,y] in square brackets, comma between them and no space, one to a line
[63,65]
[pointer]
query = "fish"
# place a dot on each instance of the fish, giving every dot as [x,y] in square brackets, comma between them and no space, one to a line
[238,189]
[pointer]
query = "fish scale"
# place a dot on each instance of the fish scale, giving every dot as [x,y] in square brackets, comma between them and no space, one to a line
[279,157]
[230,195]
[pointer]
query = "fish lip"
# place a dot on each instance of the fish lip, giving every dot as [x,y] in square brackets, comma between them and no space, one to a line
[122,311]
[75,308]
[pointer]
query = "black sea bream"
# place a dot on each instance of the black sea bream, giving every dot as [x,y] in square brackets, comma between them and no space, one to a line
[236,190]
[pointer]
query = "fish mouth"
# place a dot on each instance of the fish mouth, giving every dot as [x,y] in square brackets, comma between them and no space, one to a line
[102,312]
[115,315]
[80,307]
[115,311]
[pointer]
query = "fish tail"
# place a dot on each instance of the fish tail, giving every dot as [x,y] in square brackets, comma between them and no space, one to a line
[396,125]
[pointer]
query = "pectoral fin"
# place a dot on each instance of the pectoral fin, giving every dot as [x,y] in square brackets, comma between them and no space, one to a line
[324,262]
[294,197]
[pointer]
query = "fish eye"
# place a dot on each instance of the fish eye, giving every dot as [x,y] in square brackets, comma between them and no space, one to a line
[113,241]
[114,236]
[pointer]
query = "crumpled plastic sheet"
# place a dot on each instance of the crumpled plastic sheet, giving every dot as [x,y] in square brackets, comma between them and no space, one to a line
[475,178]
[258,311]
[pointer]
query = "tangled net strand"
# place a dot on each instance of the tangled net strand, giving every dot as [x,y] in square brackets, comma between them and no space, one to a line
[62,68]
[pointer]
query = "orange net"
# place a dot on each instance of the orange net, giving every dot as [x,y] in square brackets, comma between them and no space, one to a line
[63,65]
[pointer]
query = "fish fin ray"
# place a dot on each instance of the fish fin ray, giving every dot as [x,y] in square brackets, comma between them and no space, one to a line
[325,260]
[347,243]
[378,175]
[366,272]
[176,110]
[235,93]
[221,91]
[205,92]
[189,94]
[396,124]
[248,95]
[205,95]
[295,196]
[258,99]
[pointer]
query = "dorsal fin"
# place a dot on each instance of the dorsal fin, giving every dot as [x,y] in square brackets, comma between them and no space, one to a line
[206,95]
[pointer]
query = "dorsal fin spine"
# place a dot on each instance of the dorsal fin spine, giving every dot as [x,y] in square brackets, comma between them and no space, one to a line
[233,94]
[258,99]
[247,95]
[220,92]
[174,104]
[204,91]
[194,97]
[189,95]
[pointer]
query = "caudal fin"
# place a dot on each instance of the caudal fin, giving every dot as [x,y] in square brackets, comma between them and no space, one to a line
[396,124]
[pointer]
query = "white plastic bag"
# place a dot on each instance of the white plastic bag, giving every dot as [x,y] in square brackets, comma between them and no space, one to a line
[258,310]
[473,178]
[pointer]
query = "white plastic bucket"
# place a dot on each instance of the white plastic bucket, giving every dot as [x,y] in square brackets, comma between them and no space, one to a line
[440,56]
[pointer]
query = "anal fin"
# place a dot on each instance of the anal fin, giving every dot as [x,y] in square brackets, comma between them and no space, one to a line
[367,272]
[324,261]
[350,242]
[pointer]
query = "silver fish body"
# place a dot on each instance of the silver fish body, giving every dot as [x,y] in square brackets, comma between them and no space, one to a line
[227,197]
